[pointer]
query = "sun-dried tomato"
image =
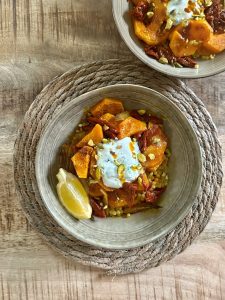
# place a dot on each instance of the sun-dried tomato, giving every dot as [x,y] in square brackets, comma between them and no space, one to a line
[152,51]
[97,210]
[152,196]
[136,115]
[146,137]
[167,53]
[164,51]
[139,11]
[186,61]
[131,189]
[215,16]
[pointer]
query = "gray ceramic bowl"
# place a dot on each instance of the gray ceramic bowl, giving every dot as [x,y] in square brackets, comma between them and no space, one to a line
[123,22]
[185,170]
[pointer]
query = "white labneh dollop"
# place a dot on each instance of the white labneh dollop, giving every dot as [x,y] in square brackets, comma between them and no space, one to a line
[118,162]
[176,10]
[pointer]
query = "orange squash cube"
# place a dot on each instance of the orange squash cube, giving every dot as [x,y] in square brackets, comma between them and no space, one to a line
[179,46]
[185,41]
[110,119]
[81,161]
[150,33]
[130,126]
[199,30]
[96,135]
[214,45]
[155,151]
[107,105]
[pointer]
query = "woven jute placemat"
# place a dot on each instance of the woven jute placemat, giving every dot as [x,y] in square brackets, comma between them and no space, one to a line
[86,78]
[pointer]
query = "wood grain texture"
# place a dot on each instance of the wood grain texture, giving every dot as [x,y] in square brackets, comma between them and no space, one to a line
[39,40]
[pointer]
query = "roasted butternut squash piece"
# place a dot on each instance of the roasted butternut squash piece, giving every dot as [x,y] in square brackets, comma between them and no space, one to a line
[97,189]
[130,126]
[117,199]
[107,105]
[151,34]
[179,46]
[180,28]
[96,135]
[94,190]
[185,41]
[199,30]
[107,117]
[215,44]
[81,161]
[152,165]
[155,151]
[110,119]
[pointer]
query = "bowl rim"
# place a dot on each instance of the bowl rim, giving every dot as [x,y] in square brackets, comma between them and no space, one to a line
[148,62]
[169,227]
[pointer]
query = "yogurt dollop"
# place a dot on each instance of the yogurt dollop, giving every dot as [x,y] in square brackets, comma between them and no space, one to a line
[118,162]
[176,10]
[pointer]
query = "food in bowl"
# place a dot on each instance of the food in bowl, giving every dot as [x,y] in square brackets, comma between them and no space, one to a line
[176,32]
[121,159]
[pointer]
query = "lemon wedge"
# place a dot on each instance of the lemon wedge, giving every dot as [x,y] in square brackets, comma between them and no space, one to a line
[73,195]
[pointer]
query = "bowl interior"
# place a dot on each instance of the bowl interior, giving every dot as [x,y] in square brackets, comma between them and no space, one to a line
[124,24]
[184,170]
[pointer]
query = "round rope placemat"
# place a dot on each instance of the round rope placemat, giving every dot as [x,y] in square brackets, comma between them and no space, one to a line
[81,80]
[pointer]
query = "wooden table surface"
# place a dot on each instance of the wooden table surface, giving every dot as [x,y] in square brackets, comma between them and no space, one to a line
[39,40]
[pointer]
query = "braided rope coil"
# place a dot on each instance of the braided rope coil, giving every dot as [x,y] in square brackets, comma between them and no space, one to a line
[79,81]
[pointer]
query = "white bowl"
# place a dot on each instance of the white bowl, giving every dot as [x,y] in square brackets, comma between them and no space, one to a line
[124,24]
